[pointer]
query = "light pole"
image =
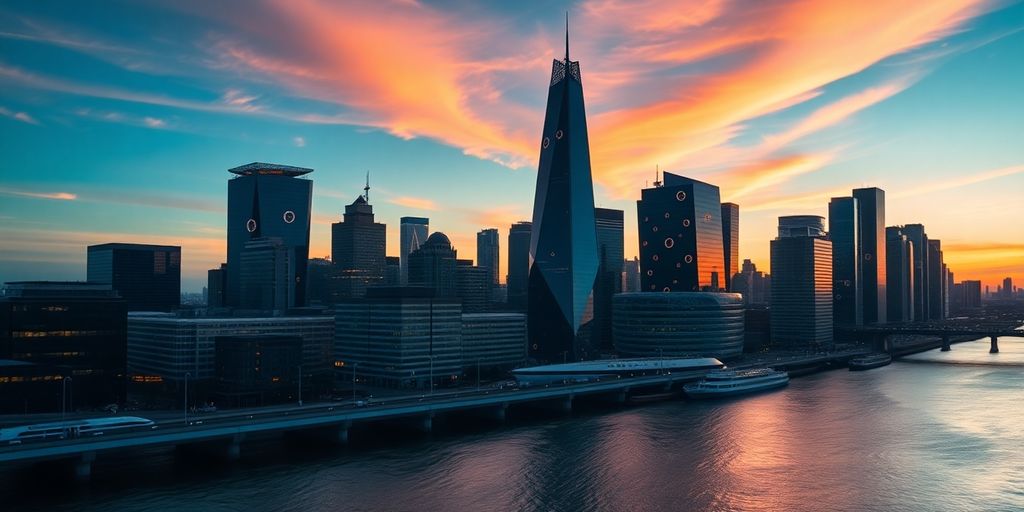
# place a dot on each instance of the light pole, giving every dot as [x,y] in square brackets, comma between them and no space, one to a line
[63,404]
[187,375]
[300,385]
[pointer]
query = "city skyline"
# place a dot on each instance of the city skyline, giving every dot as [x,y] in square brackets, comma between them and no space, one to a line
[142,155]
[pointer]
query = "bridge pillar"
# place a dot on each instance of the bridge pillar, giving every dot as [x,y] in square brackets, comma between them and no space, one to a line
[945,343]
[995,345]
[83,466]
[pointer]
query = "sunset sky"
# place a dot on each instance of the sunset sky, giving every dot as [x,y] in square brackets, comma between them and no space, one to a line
[118,123]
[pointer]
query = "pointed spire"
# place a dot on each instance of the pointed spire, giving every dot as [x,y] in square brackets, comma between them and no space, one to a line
[567,36]
[366,189]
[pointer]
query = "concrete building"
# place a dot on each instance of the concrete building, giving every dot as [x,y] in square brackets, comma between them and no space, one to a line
[493,341]
[433,266]
[473,286]
[358,246]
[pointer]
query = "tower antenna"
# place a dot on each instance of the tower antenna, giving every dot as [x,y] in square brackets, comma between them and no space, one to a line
[657,182]
[366,189]
[566,36]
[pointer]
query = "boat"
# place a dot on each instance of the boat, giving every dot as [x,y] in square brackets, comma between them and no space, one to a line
[725,383]
[588,371]
[869,361]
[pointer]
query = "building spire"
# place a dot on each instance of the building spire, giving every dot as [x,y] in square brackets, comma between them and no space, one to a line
[566,36]
[366,189]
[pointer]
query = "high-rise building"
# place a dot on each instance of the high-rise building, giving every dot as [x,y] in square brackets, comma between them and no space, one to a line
[919,239]
[433,266]
[148,277]
[392,271]
[268,200]
[899,275]
[801,308]
[563,246]
[487,253]
[871,217]
[216,284]
[936,277]
[266,272]
[947,279]
[399,338]
[610,243]
[67,328]
[1008,287]
[321,286]
[358,249]
[631,275]
[473,285]
[971,294]
[413,231]
[518,278]
[731,241]
[753,285]
[680,228]
[847,286]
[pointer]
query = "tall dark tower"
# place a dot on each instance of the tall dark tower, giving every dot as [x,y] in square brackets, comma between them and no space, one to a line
[268,200]
[871,217]
[563,245]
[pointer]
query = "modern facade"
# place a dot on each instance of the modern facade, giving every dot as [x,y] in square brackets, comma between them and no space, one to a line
[216,286]
[473,286]
[267,274]
[413,231]
[847,284]
[919,239]
[610,248]
[518,279]
[680,229]
[801,307]
[678,324]
[433,266]
[488,254]
[257,370]
[147,277]
[899,275]
[936,278]
[358,250]
[563,246]
[631,275]
[399,338]
[871,217]
[493,341]
[731,241]
[392,271]
[268,200]
[73,329]
[321,287]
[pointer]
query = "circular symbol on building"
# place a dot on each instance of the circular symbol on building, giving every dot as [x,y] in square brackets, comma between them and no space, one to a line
[667,215]
[558,134]
[669,243]
[546,143]
[666,289]
[650,273]
[289,216]
[680,196]
[535,346]
[655,257]
[707,217]
[654,229]
[686,223]
[552,254]
[250,225]
[688,258]
[644,243]
[867,256]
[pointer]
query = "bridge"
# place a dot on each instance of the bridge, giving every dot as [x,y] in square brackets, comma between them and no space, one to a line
[224,433]
[880,334]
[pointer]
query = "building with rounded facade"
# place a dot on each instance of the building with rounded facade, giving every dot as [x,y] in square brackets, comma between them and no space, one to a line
[674,324]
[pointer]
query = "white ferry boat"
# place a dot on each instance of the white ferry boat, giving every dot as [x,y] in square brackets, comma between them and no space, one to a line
[695,367]
[727,383]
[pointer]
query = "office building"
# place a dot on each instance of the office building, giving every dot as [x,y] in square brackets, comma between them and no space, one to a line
[518,278]
[147,277]
[899,275]
[801,307]
[731,241]
[563,247]
[1008,287]
[392,271]
[847,285]
[257,369]
[610,243]
[216,286]
[631,275]
[871,217]
[487,253]
[971,294]
[399,338]
[919,240]
[28,387]
[493,342]
[268,201]
[413,231]
[320,285]
[680,228]
[433,266]
[678,324]
[358,249]
[936,279]
[753,285]
[66,328]
[473,286]
[267,273]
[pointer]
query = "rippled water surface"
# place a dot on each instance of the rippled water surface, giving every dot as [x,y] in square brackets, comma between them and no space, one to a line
[937,431]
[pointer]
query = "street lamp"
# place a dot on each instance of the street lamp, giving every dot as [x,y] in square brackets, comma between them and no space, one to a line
[63,404]
[187,375]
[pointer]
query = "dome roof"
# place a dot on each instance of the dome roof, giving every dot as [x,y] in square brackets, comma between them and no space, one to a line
[438,239]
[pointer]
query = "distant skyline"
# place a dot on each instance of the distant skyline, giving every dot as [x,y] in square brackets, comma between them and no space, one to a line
[119,124]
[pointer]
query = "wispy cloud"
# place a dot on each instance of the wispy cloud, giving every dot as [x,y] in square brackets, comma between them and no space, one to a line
[154,122]
[300,142]
[20,116]
[962,181]
[416,203]
[63,196]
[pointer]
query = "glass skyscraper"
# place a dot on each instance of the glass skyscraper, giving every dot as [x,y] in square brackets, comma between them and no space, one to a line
[564,240]
[413,232]
[871,216]
[801,307]
[919,239]
[731,241]
[487,253]
[609,275]
[148,277]
[358,246]
[847,288]
[518,278]
[268,200]
[899,275]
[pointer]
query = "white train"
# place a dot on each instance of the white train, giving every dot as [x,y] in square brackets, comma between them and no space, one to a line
[72,429]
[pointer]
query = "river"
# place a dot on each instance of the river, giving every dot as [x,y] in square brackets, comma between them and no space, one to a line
[932,432]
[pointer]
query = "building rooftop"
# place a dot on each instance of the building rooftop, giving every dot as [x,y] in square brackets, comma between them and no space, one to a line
[49,289]
[269,169]
[134,247]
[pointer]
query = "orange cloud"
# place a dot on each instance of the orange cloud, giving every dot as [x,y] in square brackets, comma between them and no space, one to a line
[987,262]
[416,203]
[967,179]
[65,196]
